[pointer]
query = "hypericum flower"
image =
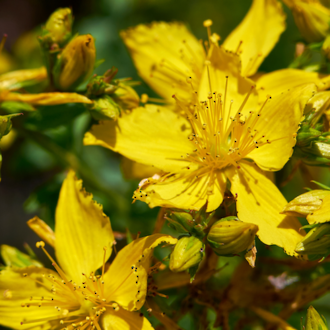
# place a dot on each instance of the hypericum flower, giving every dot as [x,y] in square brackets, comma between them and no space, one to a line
[79,295]
[166,53]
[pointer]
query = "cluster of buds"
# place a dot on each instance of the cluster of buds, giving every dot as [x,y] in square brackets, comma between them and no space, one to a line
[227,237]
[314,205]
[313,143]
[69,60]
[110,96]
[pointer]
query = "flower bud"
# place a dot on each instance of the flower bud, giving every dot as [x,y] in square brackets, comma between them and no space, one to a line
[76,63]
[59,25]
[231,236]
[182,222]
[314,321]
[306,203]
[5,124]
[311,18]
[316,242]
[188,252]
[126,97]
[105,108]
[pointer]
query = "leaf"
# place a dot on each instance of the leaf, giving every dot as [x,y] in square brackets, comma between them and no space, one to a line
[14,257]
[13,106]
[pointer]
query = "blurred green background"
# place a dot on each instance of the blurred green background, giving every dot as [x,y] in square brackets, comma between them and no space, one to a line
[32,175]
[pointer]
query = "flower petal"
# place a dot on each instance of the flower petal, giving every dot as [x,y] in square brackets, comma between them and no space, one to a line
[278,123]
[260,202]
[223,65]
[124,320]
[16,289]
[276,82]
[322,214]
[125,282]
[165,54]
[183,191]
[42,230]
[82,230]
[45,98]
[152,135]
[256,43]
[134,170]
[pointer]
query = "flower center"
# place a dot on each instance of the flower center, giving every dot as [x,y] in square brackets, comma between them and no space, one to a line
[221,134]
[79,306]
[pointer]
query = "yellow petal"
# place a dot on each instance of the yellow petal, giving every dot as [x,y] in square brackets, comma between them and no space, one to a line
[10,79]
[124,320]
[276,82]
[257,43]
[152,135]
[278,123]
[260,202]
[134,170]
[45,98]
[225,64]
[82,230]
[179,191]
[126,279]
[42,230]
[322,214]
[165,54]
[15,289]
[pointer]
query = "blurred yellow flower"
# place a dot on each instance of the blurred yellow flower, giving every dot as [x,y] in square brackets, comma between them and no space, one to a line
[311,17]
[77,295]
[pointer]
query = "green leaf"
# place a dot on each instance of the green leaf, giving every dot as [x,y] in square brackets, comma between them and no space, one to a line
[14,257]
[12,106]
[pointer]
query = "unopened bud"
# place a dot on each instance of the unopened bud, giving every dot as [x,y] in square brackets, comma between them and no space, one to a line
[306,203]
[76,63]
[314,321]
[231,236]
[180,221]
[311,18]
[104,108]
[316,242]
[188,252]
[126,97]
[59,25]
[6,124]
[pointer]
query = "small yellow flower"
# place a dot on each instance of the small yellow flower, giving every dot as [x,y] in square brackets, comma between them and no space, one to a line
[311,17]
[76,295]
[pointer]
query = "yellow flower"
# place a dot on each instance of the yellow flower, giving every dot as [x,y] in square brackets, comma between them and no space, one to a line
[226,135]
[311,18]
[166,53]
[76,295]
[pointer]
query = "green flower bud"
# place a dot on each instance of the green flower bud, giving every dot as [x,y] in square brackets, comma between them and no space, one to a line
[314,321]
[188,252]
[180,221]
[306,203]
[59,25]
[76,63]
[126,97]
[231,236]
[6,124]
[311,18]
[316,242]
[104,108]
